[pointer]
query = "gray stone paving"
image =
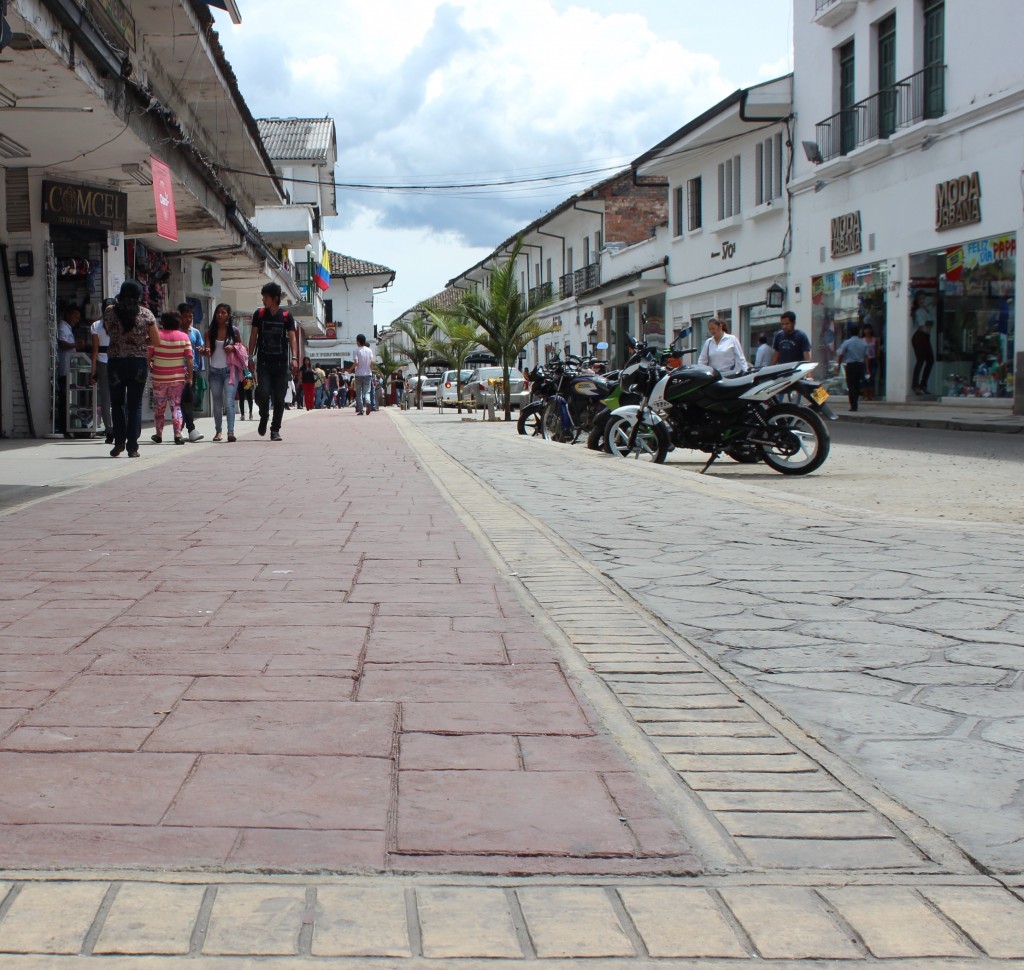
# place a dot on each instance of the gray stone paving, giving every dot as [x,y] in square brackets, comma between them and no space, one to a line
[898,644]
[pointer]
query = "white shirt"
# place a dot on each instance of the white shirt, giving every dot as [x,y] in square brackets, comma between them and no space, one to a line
[100,331]
[64,335]
[364,361]
[726,357]
[763,357]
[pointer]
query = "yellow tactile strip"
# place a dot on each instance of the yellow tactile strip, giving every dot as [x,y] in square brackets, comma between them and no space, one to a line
[540,921]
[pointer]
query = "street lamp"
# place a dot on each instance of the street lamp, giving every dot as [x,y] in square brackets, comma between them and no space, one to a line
[775,296]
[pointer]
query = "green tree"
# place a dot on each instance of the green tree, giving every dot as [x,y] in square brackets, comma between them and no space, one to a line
[418,346]
[458,339]
[505,322]
[388,363]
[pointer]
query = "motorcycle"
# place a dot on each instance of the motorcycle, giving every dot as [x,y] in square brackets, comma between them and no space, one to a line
[542,386]
[628,390]
[695,407]
[578,396]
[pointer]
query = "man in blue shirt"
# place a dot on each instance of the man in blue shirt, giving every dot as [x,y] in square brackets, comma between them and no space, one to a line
[852,354]
[198,345]
[791,346]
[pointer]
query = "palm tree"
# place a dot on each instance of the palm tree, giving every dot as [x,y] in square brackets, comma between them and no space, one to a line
[506,323]
[460,337]
[418,347]
[388,362]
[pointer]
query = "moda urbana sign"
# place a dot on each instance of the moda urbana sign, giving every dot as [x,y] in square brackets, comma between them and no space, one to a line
[958,202]
[65,204]
[846,235]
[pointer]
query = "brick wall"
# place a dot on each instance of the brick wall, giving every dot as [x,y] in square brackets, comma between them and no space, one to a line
[633,212]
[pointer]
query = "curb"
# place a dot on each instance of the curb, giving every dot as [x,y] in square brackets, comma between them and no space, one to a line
[937,424]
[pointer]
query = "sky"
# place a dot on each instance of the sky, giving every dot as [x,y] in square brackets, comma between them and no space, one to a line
[545,96]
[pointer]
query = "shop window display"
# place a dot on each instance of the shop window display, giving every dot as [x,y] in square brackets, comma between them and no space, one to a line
[962,298]
[843,303]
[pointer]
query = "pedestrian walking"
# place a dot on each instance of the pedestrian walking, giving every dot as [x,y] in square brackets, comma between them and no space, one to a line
[790,345]
[65,345]
[131,328]
[722,351]
[764,352]
[190,393]
[852,354]
[171,363]
[274,344]
[364,374]
[308,376]
[227,358]
[921,343]
[98,372]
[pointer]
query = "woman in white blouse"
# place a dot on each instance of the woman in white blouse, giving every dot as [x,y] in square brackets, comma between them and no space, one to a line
[722,351]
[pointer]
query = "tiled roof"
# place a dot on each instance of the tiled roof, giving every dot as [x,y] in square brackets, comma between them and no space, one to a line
[342,265]
[292,139]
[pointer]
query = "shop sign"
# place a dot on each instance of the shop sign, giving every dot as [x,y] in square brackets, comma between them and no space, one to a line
[119,17]
[204,277]
[163,200]
[958,202]
[846,235]
[65,204]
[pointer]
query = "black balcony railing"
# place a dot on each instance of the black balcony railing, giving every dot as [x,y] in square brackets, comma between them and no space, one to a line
[820,5]
[588,278]
[538,294]
[565,287]
[914,99]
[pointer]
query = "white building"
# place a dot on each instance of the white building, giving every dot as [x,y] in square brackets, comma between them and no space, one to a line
[728,228]
[907,186]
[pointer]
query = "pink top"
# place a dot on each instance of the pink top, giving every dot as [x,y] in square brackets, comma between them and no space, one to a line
[169,357]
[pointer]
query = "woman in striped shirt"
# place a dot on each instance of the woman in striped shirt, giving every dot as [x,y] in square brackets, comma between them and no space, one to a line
[170,361]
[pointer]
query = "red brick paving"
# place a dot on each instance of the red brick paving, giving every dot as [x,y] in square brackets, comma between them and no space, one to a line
[292,657]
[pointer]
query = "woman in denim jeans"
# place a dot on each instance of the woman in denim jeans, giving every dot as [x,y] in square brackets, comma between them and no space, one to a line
[131,328]
[222,346]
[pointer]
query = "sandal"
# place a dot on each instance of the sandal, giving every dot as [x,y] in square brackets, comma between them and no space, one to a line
[231,436]
[217,437]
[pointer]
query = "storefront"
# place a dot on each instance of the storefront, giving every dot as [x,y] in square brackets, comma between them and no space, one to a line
[847,302]
[962,300]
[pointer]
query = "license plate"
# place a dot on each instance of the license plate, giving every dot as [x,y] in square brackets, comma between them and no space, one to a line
[820,395]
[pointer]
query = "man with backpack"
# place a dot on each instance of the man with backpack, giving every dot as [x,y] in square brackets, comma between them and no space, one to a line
[274,342]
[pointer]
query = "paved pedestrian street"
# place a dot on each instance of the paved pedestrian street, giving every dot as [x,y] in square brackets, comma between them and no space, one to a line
[415,691]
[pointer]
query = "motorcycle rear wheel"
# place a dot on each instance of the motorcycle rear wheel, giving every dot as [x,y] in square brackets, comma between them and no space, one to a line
[652,441]
[531,420]
[809,438]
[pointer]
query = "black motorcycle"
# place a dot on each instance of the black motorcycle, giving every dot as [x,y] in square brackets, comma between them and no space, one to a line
[695,407]
[543,385]
[578,398]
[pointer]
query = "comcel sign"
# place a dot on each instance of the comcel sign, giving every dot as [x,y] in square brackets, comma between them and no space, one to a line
[65,204]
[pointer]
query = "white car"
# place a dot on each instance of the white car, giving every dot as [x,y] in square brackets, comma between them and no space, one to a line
[428,389]
[478,389]
[448,385]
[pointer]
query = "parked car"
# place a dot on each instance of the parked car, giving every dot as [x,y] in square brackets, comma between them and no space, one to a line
[428,390]
[479,391]
[448,386]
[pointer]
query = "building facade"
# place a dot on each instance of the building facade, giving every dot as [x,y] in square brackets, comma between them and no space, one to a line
[906,190]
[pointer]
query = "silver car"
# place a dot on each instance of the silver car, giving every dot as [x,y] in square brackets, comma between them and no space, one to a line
[479,391]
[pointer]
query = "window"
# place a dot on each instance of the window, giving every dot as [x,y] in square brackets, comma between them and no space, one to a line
[550,277]
[887,76]
[568,260]
[597,242]
[678,210]
[768,169]
[586,250]
[694,218]
[729,188]
[934,58]
[848,115]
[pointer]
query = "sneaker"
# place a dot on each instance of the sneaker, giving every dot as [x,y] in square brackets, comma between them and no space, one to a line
[116,452]
[194,435]
[156,438]
[133,454]
[275,436]
[110,437]
[179,440]
[231,436]
[218,437]
[262,429]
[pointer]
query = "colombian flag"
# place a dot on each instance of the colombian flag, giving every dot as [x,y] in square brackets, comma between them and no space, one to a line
[323,271]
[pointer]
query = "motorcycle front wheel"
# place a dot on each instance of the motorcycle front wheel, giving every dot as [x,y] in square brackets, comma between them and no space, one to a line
[804,441]
[552,428]
[651,444]
[531,419]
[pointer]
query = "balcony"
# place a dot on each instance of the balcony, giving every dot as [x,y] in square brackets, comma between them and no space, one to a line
[916,98]
[588,278]
[540,294]
[828,13]
[287,226]
[565,286]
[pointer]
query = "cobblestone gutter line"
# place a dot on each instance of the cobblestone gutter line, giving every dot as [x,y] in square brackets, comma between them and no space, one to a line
[772,797]
[641,922]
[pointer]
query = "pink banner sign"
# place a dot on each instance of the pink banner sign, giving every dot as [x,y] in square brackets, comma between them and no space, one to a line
[163,197]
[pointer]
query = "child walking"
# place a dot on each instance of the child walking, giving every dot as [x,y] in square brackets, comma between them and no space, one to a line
[170,360]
